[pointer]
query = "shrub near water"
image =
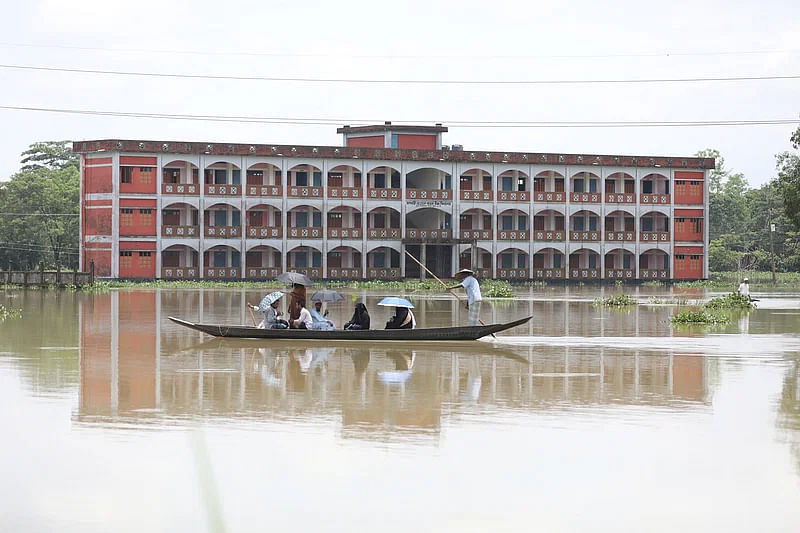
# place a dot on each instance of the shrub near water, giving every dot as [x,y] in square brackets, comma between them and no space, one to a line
[699,317]
[496,289]
[618,300]
[730,301]
[7,313]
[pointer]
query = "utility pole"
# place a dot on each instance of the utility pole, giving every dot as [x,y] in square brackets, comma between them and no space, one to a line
[771,238]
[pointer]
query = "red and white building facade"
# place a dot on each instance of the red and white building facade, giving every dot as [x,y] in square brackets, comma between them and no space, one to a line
[190,210]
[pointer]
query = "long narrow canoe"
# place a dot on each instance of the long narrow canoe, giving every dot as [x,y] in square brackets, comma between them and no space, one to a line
[459,333]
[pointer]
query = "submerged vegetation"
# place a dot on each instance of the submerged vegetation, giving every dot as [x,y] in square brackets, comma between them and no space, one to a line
[8,313]
[699,317]
[618,300]
[730,301]
[496,289]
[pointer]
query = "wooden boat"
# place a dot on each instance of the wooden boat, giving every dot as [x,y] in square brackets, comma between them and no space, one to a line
[458,333]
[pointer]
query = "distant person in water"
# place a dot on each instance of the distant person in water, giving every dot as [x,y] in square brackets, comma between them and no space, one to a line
[360,318]
[473,290]
[319,319]
[744,289]
[403,319]
[303,321]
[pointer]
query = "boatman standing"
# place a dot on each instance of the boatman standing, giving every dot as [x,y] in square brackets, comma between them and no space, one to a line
[744,288]
[473,290]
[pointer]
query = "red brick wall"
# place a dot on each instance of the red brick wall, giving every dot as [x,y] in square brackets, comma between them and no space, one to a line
[97,221]
[141,171]
[97,179]
[688,262]
[689,225]
[137,259]
[376,141]
[417,142]
[134,218]
[101,257]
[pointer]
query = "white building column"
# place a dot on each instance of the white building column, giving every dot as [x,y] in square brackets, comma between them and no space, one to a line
[201,216]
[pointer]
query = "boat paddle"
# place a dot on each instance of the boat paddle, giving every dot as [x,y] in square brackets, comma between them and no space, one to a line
[444,285]
[250,308]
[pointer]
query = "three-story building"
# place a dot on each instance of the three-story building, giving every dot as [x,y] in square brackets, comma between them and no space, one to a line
[189,210]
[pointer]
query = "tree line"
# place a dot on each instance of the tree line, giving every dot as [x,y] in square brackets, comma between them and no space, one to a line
[741,218]
[40,203]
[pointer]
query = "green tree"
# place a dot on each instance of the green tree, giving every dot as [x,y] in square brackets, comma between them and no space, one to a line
[789,180]
[38,211]
[51,155]
[728,212]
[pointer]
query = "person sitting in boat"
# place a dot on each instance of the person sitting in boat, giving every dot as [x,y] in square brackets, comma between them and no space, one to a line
[319,319]
[303,321]
[271,316]
[360,318]
[403,319]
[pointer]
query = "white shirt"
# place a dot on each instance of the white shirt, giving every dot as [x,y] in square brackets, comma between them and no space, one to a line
[744,289]
[470,285]
[305,318]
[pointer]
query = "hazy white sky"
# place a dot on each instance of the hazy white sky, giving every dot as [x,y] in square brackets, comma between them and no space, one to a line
[463,32]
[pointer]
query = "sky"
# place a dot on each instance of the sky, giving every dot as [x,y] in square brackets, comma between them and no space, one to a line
[466,40]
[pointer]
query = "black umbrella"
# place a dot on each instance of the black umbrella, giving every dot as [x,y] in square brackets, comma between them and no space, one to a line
[327,295]
[295,278]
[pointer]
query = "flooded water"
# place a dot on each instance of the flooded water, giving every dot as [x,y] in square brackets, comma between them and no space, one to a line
[585,419]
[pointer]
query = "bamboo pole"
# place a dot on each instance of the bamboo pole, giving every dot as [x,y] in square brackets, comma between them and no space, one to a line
[443,284]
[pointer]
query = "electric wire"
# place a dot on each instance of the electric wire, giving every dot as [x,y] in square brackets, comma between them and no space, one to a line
[466,124]
[395,81]
[655,54]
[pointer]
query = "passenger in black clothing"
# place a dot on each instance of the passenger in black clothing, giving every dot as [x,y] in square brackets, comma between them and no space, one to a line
[403,319]
[360,318]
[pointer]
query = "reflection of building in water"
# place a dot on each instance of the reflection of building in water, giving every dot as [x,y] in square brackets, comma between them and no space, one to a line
[137,367]
[789,409]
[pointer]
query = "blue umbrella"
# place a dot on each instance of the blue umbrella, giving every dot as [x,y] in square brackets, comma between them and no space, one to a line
[393,301]
[269,299]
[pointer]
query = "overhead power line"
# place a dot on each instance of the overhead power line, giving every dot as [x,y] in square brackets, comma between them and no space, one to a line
[233,53]
[395,81]
[465,124]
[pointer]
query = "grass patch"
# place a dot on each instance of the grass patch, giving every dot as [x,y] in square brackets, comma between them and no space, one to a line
[618,300]
[730,301]
[9,313]
[700,317]
[722,280]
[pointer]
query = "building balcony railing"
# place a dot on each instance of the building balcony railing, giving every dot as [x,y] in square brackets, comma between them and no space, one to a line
[649,273]
[344,192]
[476,196]
[222,273]
[383,273]
[654,236]
[223,232]
[549,273]
[274,191]
[262,272]
[550,235]
[512,235]
[429,194]
[620,236]
[264,232]
[513,196]
[344,273]
[383,194]
[344,233]
[304,233]
[223,190]
[483,273]
[476,234]
[620,273]
[191,232]
[188,189]
[620,198]
[293,191]
[584,235]
[311,272]
[513,273]
[384,234]
[416,234]
[544,196]
[180,273]
[654,199]
[584,273]
[585,197]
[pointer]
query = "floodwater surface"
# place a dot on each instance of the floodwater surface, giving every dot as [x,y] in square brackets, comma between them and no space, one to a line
[113,418]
